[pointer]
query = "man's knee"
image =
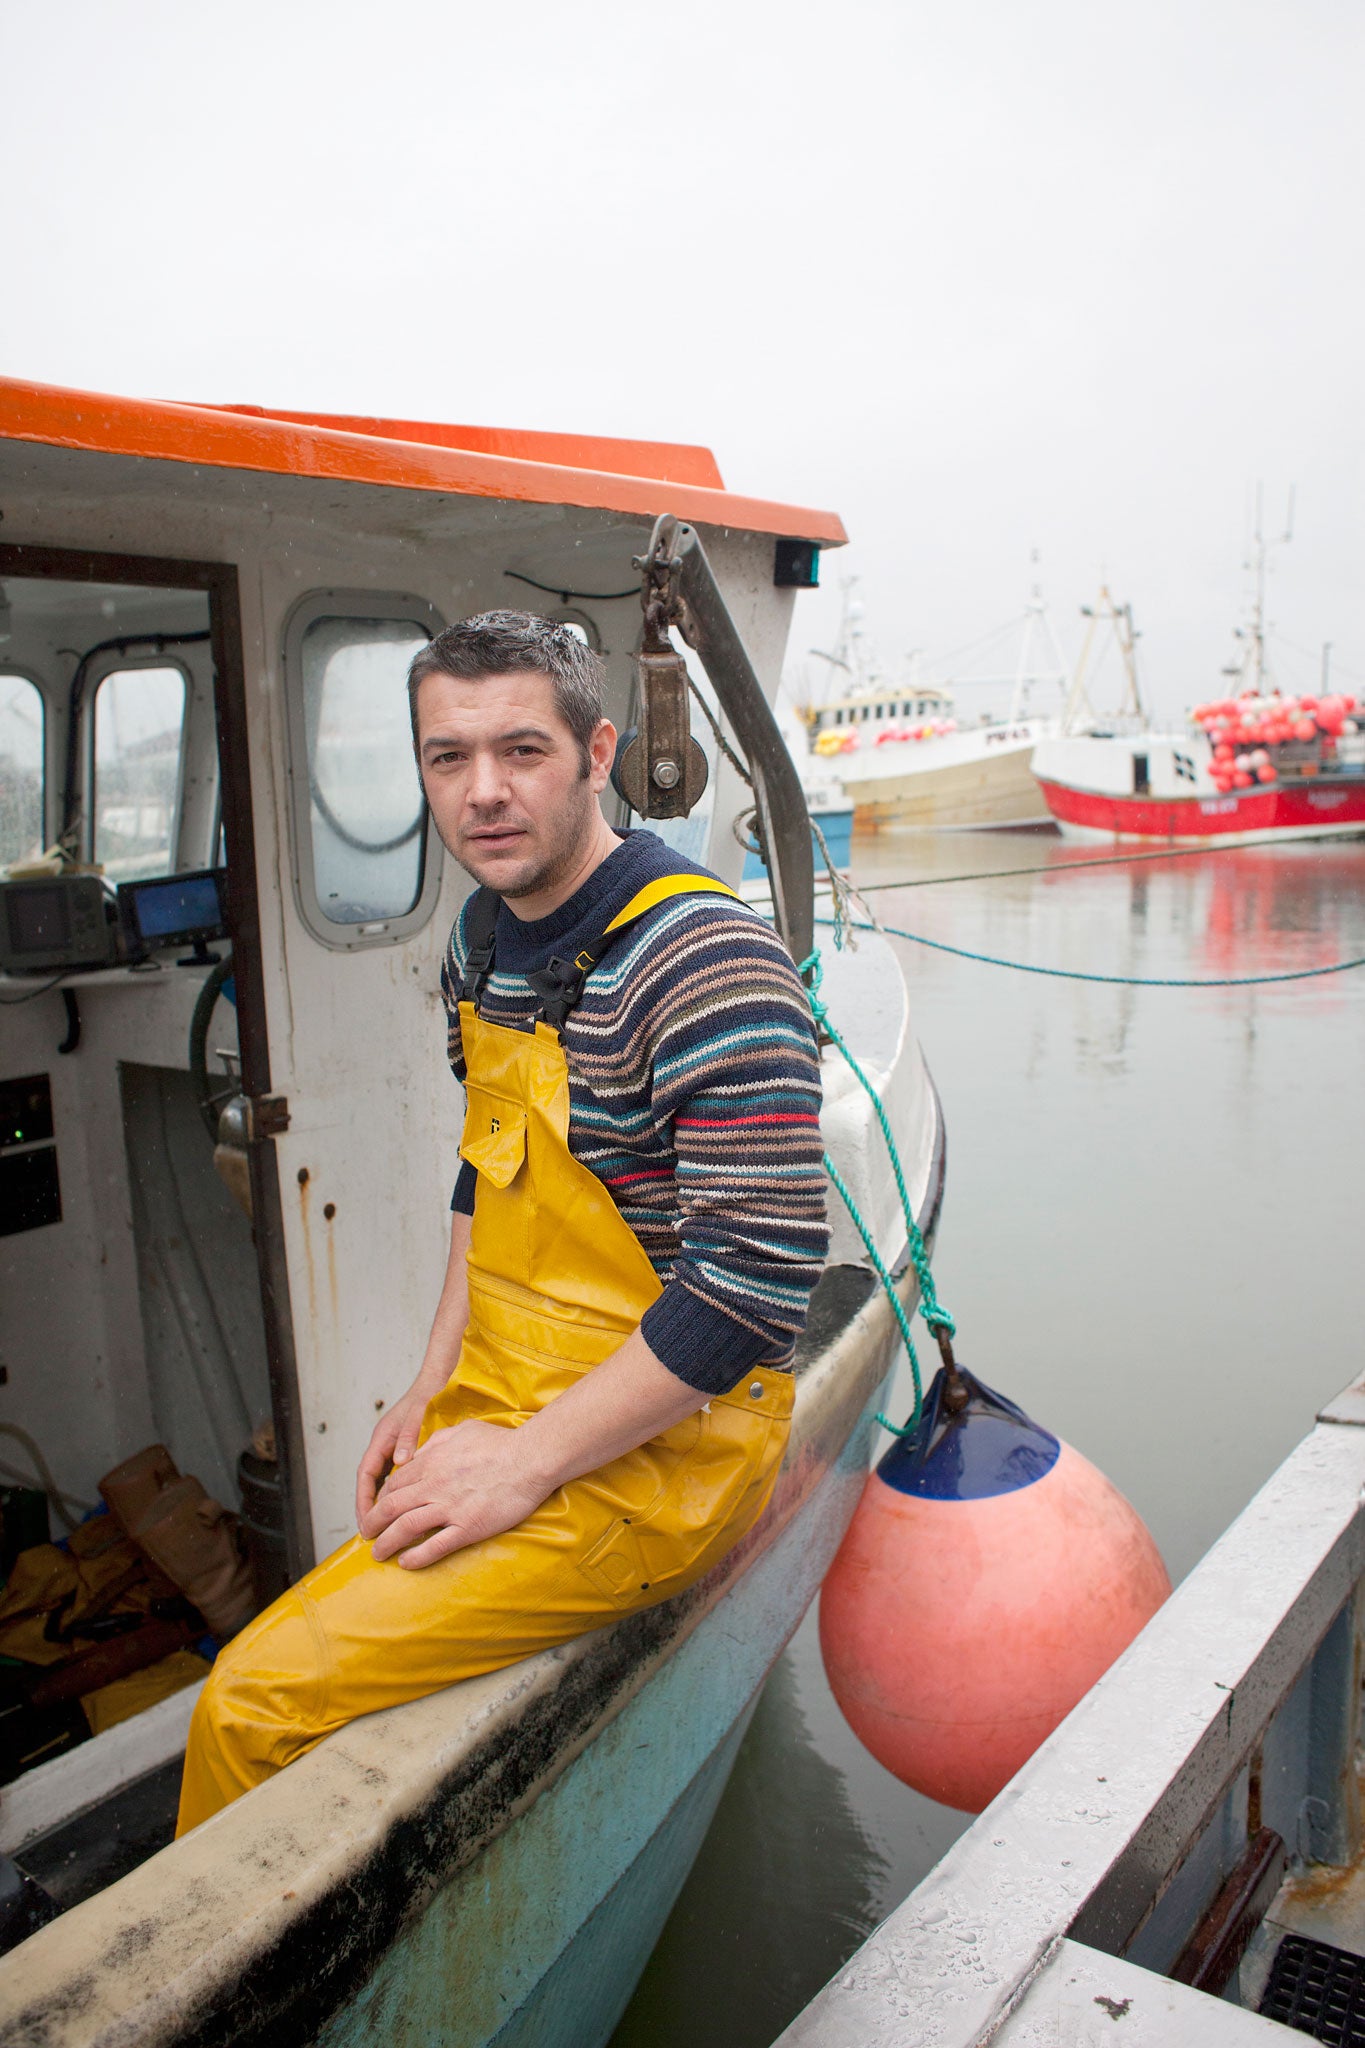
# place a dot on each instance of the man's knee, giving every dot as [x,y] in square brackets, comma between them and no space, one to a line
[267,1682]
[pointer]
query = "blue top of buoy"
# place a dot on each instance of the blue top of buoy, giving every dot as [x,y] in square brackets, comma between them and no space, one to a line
[988,1447]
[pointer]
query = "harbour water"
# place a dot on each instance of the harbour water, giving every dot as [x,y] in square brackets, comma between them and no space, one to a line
[1151,1239]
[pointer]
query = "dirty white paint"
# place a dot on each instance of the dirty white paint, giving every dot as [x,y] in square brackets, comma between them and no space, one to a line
[1082,1999]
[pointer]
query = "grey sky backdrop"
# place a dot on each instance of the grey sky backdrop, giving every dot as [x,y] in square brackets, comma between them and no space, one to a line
[985,278]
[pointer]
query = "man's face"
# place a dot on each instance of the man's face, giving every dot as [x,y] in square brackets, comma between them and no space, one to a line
[505,781]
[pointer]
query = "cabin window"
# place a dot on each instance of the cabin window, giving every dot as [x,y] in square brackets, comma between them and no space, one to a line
[21,769]
[368,863]
[139,730]
[366,809]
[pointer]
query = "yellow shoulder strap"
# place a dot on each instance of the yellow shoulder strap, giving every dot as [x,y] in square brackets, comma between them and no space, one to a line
[666,886]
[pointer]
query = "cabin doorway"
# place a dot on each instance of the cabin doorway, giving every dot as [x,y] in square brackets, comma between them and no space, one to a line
[140,1292]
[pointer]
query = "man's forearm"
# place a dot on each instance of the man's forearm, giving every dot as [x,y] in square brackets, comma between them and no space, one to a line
[614,1408]
[451,1320]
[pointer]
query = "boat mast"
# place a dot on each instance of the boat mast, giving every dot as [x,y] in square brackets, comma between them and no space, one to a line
[1254,669]
[850,653]
[1037,626]
[1080,712]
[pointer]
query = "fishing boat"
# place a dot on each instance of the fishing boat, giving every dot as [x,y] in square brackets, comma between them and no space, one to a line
[1182,1862]
[1247,768]
[1259,763]
[1162,789]
[903,757]
[225,1159]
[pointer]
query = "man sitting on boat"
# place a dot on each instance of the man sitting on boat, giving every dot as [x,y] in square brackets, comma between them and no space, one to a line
[638,1224]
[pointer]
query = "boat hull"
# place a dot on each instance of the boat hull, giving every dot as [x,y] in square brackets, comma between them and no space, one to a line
[987,788]
[525,1949]
[1320,809]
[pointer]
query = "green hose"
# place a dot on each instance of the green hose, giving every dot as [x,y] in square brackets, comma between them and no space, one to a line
[199,1042]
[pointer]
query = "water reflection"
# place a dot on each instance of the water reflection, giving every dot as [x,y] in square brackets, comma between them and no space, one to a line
[787,1884]
[1149,1242]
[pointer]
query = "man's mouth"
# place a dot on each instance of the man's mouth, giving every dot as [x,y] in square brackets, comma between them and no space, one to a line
[494,838]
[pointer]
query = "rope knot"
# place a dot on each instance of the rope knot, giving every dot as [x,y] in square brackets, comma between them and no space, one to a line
[812,966]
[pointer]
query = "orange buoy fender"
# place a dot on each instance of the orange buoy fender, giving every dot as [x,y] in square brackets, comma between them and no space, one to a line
[989,1576]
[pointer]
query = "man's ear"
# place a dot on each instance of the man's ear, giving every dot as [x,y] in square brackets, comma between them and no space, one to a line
[601,753]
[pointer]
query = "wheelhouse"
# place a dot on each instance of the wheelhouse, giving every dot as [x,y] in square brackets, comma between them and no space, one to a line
[207,614]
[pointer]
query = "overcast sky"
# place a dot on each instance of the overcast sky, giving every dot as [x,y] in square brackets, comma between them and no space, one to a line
[984,278]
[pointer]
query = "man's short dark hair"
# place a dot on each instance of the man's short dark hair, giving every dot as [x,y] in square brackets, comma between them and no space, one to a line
[514,643]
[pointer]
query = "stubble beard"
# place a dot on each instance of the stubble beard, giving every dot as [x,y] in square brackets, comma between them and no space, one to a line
[558,859]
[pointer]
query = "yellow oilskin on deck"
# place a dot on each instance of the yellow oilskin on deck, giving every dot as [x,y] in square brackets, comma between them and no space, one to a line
[557,1280]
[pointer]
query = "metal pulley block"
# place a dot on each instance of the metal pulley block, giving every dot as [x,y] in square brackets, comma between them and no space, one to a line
[660,769]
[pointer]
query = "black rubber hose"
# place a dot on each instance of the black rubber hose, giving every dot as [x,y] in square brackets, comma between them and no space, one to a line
[199,1043]
[73,1022]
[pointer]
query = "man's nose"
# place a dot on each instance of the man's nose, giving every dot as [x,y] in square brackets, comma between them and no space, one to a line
[488,782]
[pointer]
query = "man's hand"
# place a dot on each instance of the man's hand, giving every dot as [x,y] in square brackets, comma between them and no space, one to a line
[395,1434]
[393,1443]
[465,1483]
[481,1478]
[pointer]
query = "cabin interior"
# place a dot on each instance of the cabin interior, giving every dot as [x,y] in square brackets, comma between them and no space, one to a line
[132,1302]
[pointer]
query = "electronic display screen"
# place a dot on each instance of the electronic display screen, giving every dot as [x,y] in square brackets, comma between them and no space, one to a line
[39,919]
[181,907]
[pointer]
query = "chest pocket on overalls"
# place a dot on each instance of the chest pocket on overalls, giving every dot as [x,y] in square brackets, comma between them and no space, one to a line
[494,1140]
[494,1143]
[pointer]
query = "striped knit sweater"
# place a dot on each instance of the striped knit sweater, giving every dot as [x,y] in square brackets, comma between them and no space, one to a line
[694,1096]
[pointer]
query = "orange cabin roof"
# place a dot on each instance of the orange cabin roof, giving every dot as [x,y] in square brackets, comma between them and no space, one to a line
[645,477]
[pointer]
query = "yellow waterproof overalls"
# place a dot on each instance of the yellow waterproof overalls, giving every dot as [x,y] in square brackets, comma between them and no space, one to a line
[557,1280]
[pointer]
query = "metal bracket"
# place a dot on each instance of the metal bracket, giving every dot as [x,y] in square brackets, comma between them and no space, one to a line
[267,1116]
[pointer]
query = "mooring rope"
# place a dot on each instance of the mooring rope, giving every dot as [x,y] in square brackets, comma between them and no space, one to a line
[935,1315]
[1112,980]
[930,1307]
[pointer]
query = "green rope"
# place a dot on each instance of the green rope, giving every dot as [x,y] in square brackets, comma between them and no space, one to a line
[1115,980]
[933,1311]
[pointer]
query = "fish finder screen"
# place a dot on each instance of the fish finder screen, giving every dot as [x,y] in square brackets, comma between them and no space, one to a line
[181,907]
[39,920]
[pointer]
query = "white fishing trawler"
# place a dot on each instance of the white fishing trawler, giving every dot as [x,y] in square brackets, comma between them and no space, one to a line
[210,612]
[902,755]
